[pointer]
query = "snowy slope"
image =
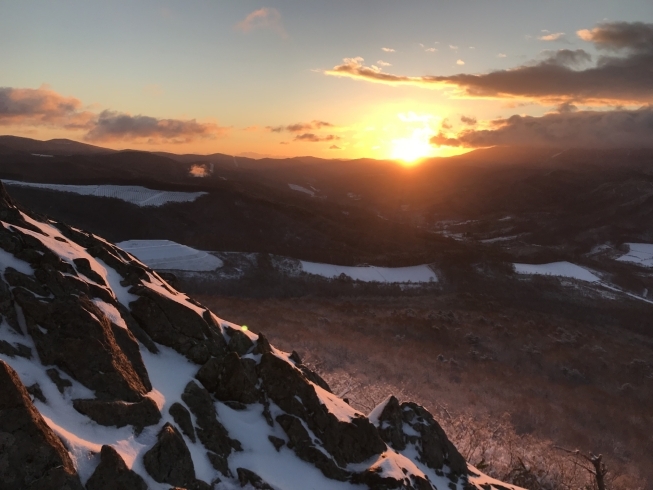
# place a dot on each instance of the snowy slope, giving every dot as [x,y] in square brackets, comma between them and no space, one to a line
[417,273]
[165,254]
[253,412]
[639,253]
[560,269]
[141,196]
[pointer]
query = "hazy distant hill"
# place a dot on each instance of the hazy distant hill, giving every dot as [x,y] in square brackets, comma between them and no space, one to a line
[61,147]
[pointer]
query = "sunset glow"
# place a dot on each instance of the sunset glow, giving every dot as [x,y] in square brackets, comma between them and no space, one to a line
[280,84]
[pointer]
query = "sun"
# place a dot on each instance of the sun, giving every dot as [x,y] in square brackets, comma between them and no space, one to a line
[411,149]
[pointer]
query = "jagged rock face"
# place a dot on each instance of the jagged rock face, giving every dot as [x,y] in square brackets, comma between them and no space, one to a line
[139,385]
[169,460]
[31,455]
[113,474]
[432,444]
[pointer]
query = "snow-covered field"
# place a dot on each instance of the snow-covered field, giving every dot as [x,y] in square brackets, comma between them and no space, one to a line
[134,194]
[417,273]
[165,254]
[639,253]
[561,269]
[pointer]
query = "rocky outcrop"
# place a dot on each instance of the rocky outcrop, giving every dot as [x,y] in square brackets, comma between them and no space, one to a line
[118,413]
[351,441]
[209,430]
[74,334]
[230,378]
[31,455]
[175,325]
[169,460]
[182,418]
[247,477]
[433,446]
[113,474]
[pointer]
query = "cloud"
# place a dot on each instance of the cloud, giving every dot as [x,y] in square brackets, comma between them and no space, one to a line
[502,55]
[430,50]
[299,127]
[41,107]
[624,76]
[45,107]
[470,120]
[383,63]
[334,147]
[451,46]
[555,36]
[263,18]
[460,62]
[567,129]
[112,125]
[636,37]
[388,50]
[314,138]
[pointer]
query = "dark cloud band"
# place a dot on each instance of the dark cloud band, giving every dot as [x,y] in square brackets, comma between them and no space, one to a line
[569,129]
[623,76]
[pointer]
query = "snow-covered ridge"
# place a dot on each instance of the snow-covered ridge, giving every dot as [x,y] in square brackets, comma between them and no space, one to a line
[147,387]
[165,254]
[134,194]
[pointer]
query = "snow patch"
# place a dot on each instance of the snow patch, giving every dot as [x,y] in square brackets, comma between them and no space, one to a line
[639,253]
[561,269]
[165,254]
[417,273]
[134,194]
[299,188]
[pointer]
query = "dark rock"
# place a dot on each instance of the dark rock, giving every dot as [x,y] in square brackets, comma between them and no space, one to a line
[16,278]
[36,392]
[113,474]
[390,425]
[301,442]
[294,356]
[84,267]
[74,334]
[182,418]
[219,462]
[436,449]
[136,329]
[348,442]
[56,378]
[31,455]
[230,378]
[170,278]
[172,324]
[246,476]
[129,346]
[240,343]
[169,460]
[262,345]
[277,442]
[210,431]
[18,349]
[118,413]
[7,307]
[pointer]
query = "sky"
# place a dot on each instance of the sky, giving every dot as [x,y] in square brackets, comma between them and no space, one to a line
[339,79]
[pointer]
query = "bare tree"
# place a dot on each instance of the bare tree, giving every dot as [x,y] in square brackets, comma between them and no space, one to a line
[599,470]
